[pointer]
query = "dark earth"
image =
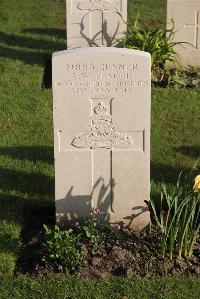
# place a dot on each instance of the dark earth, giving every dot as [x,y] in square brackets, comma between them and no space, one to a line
[178,78]
[133,254]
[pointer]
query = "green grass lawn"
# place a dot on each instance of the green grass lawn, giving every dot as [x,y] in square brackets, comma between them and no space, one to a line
[116,288]
[30,31]
[151,13]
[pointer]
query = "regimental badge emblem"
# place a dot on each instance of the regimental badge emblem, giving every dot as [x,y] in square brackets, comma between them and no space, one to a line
[102,133]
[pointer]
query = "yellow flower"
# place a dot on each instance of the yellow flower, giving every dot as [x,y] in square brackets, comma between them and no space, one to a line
[197,183]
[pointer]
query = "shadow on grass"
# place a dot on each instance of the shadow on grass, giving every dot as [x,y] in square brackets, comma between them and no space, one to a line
[29,214]
[38,208]
[11,208]
[191,151]
[27,183]
[167,174]
[31,153]
[31,183]
[27,56]
[8,243]
[35,206]
[47,75]
[10,215]
[60,33]
[31,42]
[34,49]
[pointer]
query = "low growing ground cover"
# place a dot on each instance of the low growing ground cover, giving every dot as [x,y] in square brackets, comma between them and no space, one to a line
[100,252]
[30,32]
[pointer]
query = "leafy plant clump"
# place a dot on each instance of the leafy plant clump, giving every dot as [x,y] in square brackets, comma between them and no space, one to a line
[179,222]
[63,249]
[95,231]
[69,249]
[159,43]
[185,77]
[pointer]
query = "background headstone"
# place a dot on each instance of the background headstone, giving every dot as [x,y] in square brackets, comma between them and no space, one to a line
[102,134]
[186,16]
[95,23]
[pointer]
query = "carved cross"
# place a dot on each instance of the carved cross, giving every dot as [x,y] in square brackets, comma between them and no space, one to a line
[102,139]
[196,27]
[100,6]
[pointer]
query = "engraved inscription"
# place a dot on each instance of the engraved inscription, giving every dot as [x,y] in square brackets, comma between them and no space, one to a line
[101,67]
[102,133]
[96,5]
[196,27]
[102,78]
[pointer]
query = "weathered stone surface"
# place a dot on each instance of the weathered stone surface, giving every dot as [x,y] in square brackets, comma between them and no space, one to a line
[92,23]
[186,16]
[102,134]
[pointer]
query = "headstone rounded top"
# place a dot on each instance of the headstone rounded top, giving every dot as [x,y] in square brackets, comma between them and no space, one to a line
[97,50]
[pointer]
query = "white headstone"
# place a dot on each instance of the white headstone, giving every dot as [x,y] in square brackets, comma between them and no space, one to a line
[102,134]
[186,16]
[95,23]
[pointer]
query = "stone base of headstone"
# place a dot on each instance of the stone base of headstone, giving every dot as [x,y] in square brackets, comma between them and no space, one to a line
[102,134]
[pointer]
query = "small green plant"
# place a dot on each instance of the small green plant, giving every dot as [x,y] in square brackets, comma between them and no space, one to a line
[184,77]
[179,221]
[63,249]
[96,231]
[159,43]
[93,231]
[69,249]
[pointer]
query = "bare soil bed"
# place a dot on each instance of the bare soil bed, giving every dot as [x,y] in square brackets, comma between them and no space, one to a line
[132,254]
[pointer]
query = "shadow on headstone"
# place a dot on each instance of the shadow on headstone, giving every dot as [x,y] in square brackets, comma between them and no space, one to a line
[137,211]
[80,206]
[110,40]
